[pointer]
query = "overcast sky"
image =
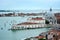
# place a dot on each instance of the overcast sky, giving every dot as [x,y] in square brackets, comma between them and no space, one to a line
[29,4]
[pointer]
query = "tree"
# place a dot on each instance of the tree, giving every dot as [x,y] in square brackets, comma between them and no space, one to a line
[46,22]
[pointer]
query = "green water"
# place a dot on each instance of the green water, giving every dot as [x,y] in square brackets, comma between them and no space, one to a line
[7,22]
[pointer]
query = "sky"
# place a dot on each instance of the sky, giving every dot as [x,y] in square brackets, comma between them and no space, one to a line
[29,4]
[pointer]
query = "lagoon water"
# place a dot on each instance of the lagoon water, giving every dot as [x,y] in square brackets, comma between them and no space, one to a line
[7,22]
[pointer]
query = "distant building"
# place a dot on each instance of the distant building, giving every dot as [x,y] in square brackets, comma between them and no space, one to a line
[32,22]
[57,15]
[40,20]
[50,9]
[50,17]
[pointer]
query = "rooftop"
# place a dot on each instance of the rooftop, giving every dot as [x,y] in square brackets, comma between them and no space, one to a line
[39,37]
[27,23]
[38,18]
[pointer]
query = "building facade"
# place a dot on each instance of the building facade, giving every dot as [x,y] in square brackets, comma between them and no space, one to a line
[32,22]
[57,15]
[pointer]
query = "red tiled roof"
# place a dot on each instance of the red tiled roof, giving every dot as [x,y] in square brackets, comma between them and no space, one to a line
[37,19]
[27,23]
[55,32]
[39,37]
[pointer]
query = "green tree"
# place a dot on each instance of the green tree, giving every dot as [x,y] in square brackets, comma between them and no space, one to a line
[46,22]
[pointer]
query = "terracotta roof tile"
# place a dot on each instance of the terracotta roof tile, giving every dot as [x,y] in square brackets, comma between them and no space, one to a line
[37,19]
[27,23]
[39,37]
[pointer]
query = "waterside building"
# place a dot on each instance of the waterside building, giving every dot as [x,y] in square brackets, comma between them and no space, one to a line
[32,22]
